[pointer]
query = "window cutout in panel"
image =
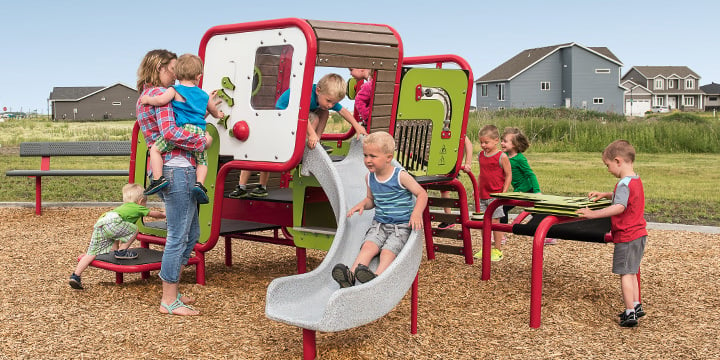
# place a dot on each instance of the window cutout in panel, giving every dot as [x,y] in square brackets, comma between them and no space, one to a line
[271,75]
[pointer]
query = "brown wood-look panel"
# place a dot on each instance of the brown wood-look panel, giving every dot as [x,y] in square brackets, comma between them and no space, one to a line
[343,48]
[342,61]
[319,24]
[380,123]
[382,99]
[384,87]
[356,37]
[381,110]
[385,75]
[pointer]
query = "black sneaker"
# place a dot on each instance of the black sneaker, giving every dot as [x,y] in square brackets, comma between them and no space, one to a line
[628,320]
[238,193]
[75,282]
[125,254]
[200,193]
[363,273]
[156,185]
[639,312]
[259,191]
[445,226]
[344,277]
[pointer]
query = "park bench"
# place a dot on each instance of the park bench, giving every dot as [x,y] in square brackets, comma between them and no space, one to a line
[46,150]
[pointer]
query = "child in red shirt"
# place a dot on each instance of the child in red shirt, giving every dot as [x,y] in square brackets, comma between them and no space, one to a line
[628,225]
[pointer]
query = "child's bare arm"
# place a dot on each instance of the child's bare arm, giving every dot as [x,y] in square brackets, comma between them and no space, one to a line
[212,106]
[507,169]
[468,154]
[156,214]
[612,210]
[365,204]
[159,100]
[359,129]
[416,221]
[595,195]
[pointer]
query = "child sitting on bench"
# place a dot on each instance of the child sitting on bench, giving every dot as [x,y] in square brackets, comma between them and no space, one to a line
[115,230]
[389,191]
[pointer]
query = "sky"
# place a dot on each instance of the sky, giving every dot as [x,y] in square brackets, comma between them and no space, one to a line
[44,44]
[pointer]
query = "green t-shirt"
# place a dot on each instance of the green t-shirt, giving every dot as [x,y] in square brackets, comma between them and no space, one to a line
[523,178]
[131,211]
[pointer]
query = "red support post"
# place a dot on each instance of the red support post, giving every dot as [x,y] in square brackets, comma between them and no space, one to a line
[309,347]
[414,306]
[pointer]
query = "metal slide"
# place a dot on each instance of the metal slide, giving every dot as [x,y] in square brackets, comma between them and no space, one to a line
[313,300]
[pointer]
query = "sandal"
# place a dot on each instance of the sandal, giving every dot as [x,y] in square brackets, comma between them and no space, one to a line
[344,277]
[176,305]
[189,302]
[364,274]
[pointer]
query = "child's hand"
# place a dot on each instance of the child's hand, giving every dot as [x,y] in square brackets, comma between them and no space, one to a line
[467,167]
[585,212]
[215,98]
[595,196]
[360,130]
[416,222]
[312,140]
[145,99]
[357,208]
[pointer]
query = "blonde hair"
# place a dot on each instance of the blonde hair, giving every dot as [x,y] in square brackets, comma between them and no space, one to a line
[490,131]
[519,140]
[332,85]
[383,140]
[619,148]
[149,70]
[188,67]
[132,193]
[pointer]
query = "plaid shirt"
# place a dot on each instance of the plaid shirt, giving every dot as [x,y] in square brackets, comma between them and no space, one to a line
[157,121]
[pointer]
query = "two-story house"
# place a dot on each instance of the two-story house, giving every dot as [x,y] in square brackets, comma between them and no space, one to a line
[93,103]
[676,87]
[565,75]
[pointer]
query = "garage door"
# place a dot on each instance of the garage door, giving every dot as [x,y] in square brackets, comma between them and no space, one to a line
[636,107]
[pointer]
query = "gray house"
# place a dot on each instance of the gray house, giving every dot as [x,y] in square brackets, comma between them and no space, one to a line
[674,87]
[565,75]
[93,103]
[712,96]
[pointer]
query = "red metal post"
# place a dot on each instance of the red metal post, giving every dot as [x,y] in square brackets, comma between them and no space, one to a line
[414,306]
[537,269]
[309,347]
[38,195]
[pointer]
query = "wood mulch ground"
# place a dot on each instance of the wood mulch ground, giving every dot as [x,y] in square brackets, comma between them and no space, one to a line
[460,317]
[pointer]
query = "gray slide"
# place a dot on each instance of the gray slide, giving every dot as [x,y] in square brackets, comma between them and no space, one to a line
[313,300]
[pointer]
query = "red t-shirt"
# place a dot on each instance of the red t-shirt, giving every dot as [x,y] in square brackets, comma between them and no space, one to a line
[630,224]
[492,176]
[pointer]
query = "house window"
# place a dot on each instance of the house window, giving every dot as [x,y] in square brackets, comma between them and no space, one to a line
[671,84]
[501,92]
[658,84]
[602,71]
[484,108]
[501,108]
[659,101]
[712,98]
[483,89]
[598,100]
[116,103]
[544,85]
[689,101]
[689,83]
[102,98]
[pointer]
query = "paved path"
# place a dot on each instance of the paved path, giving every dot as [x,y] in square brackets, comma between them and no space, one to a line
[650,225]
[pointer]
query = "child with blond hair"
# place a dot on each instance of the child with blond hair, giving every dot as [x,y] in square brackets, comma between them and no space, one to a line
[116,230]
[390,192]
[495,176]
[628,225]
[191,104]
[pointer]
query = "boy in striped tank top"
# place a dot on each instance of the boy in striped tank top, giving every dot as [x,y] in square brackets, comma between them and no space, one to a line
[390,192]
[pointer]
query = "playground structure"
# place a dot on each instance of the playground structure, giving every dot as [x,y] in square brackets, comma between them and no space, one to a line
[422,101]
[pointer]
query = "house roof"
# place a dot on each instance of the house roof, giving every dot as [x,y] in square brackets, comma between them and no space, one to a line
[527,58]
[60,93]
[711,88]
[650,72]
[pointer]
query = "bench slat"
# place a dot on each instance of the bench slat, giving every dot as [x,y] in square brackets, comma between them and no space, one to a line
[76,148]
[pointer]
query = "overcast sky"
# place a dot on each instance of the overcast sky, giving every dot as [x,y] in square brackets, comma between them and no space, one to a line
[100,43]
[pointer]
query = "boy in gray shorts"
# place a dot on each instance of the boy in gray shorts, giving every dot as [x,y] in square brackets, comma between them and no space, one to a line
[628,225]
[390,191]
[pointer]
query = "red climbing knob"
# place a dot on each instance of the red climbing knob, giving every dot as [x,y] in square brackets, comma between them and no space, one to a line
[241,131]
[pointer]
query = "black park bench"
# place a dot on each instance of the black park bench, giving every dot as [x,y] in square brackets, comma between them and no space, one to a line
[46,150]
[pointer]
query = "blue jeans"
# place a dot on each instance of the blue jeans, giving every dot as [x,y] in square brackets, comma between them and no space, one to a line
[183,227]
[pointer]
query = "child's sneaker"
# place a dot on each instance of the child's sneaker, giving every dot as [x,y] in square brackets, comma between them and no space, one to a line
[125,254]
[259,191]
[363,273]
[628,320]
[200,193]
[445,226]
[503,240]
[238,193]
[639,312]
[344,277]
[550,241]
[75,282]
[496,255]
[156,185]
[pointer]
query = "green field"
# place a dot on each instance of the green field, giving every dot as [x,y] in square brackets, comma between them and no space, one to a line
[679,184]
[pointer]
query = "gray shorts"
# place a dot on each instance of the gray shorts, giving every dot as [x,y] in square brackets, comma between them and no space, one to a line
[627,256]
[388,236]
[498,213]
